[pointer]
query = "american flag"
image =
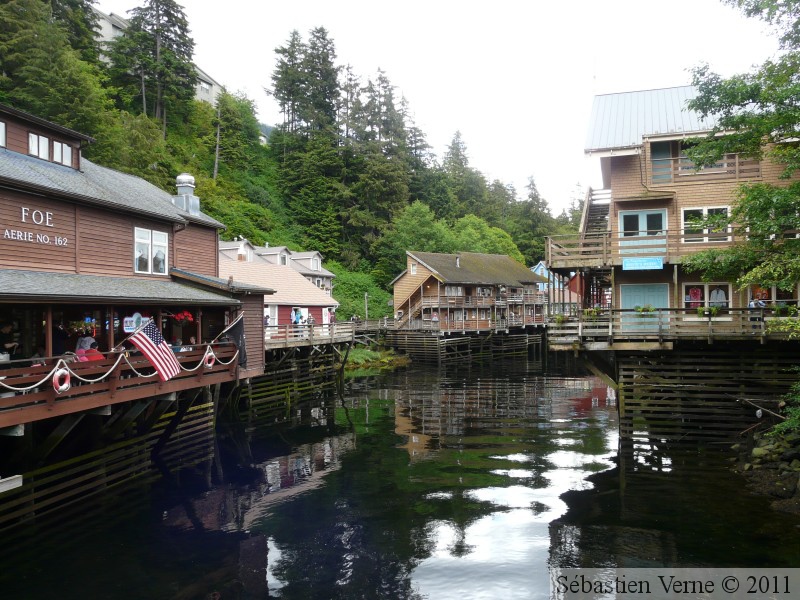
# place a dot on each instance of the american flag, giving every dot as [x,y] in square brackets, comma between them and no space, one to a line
[151,343]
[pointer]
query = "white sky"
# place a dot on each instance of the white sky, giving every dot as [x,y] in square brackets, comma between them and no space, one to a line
[516,77]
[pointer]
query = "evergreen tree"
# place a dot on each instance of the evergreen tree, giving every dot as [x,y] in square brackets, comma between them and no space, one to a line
[80,22]
[42,74]
[318,104]
[288,81]
[152,60]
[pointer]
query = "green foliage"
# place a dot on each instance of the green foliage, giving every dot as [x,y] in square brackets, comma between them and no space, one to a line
[349,288]
[791,411]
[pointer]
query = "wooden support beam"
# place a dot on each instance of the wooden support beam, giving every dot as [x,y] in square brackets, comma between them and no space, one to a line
[62,430]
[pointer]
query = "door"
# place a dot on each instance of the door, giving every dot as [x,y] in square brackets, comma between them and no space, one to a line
[652,294]
[643,232]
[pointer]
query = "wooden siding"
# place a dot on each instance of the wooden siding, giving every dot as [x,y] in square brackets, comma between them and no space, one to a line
[107,242]
[408,284]
[37,253]
[253,308]
[195,249]
[17,138]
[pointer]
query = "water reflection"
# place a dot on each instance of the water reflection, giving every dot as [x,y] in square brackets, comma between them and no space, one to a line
[466,484]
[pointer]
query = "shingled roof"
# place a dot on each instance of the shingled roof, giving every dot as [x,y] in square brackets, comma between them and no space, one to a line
[477,269]
[95,185]
[69,287]
[290,286]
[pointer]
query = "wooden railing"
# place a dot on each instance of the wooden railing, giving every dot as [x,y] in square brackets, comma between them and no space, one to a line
[616,325]
[605,249]
[129,379]
[683,170]
[282,336]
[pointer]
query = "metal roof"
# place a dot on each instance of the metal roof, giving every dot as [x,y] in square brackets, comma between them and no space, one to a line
[621,120]
[69,287]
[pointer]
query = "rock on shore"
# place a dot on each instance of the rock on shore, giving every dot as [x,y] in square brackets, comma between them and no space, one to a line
[772,468]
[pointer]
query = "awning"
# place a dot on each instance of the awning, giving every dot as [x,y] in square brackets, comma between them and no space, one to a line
[36,286]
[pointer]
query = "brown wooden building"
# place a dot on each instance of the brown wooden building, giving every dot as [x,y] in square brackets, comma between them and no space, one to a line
[86,249]
[467,291]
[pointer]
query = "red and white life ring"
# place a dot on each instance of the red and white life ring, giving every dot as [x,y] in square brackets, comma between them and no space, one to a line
[61,381]
[209,359]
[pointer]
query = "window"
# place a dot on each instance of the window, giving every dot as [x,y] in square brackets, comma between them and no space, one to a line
[315,264]
[694,232]
[205,86]
[39,145]
[697,295]
[284,260]
[2,134]
[62,153]
[453,290]
[772,292]
[643,223]
[413,268]
[150,252]
[318,282]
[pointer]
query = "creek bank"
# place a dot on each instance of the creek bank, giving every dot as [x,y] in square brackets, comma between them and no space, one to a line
[367,359]
[771,467]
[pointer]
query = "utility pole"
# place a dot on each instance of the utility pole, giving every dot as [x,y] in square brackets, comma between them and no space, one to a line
[366,306]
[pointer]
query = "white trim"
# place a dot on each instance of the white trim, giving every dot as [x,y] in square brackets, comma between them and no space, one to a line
[705,234]
[640,212]
[2,134]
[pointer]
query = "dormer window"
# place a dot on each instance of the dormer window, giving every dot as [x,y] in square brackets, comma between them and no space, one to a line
[315,264]
[39,146]
[284,260]
[62,153]
[2,134]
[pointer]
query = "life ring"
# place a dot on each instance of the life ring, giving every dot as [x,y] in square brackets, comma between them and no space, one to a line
[61,381]
[209,360]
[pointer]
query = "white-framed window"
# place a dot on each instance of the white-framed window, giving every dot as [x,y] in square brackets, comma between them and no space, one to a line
[693,233]
[205,86]
[2,134]
[705,295]
[453,290]
[39,145]
[284,260]
[62,153]
[413,268]
[772,293]
[151,251]
[315,264]
[318,281]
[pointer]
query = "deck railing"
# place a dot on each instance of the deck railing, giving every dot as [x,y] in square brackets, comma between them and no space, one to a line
[682,170]
[28,393]
[618,325]
[606,250]
[281,336]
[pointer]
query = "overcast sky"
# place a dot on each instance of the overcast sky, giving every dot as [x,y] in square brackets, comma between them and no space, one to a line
[515,77]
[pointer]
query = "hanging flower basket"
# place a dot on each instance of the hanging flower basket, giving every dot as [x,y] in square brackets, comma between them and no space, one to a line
[183,317]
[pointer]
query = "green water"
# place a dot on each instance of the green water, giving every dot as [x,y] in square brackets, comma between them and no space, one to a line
[419,484]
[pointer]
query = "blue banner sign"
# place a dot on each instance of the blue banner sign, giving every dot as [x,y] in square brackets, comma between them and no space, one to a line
[644,263]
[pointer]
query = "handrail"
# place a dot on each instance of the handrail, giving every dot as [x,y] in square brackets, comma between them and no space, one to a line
[607,249]
[615,325]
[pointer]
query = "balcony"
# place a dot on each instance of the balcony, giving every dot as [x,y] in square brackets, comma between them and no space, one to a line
[28,393]
[608,250]
[615,329]
[732,167]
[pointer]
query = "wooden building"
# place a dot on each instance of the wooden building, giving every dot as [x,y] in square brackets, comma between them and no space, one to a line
[687,354]
[89,250]
[467,291]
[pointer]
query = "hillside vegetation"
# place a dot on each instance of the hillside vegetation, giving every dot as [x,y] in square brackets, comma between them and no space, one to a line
[345,172]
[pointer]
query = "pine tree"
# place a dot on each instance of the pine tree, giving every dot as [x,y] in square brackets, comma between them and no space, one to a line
[152,60]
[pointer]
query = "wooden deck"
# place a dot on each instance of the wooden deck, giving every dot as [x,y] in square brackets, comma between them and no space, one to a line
[630,330]
[598,250]
[295,336]
[95,384]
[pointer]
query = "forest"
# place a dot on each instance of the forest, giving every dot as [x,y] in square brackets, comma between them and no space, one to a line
[346,171]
